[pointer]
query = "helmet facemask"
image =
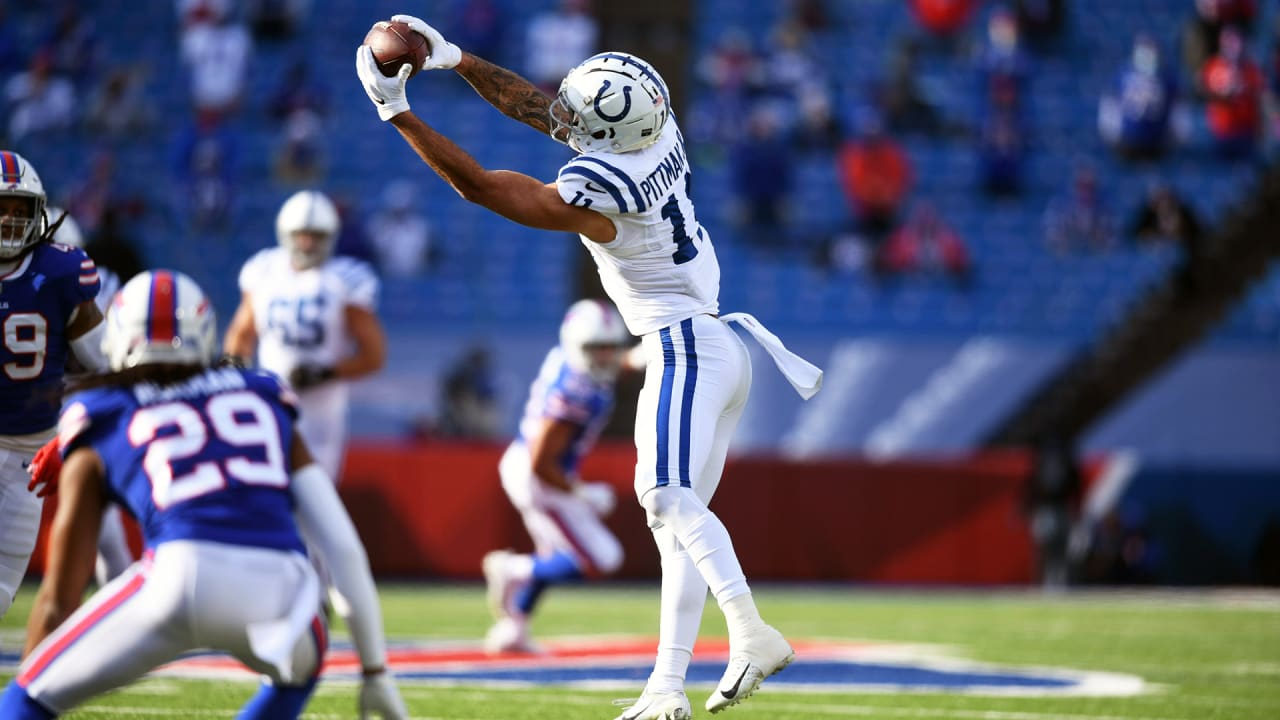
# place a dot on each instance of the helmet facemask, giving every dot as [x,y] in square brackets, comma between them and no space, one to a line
[612,101]
[22,206]
[310,217]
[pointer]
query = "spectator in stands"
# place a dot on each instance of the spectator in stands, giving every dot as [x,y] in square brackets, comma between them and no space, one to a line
[276,19]
[300,156]
[812,15]
[876,176]
[557,40]
[1165,217]
[1002,150]
[299,90]
[205,162]
[1233,84]
[1040,21]
[71,43]
[905,106]
[216,51]
[1079,221]
[401,236]
[818,129]
[117,108]
[943,20]
[478,25]
[925,245]
[1202,36]
[1004,70]
[11,57]
[789,69]
[40,101]
[1139,117]
[763,180]
[731,76]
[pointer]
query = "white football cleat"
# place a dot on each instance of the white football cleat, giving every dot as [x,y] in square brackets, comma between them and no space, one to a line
[657,706]
[762,654]
[509,635]
[498,586]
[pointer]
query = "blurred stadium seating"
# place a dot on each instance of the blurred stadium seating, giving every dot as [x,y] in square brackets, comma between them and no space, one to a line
[500,283]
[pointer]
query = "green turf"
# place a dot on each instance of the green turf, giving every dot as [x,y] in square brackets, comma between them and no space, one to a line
[1210,654]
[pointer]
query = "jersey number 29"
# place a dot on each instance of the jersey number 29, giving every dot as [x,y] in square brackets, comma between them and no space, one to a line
[241,419]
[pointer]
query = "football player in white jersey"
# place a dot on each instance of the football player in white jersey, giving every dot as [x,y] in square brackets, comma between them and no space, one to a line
[569,404]
[626,194]
[312,319]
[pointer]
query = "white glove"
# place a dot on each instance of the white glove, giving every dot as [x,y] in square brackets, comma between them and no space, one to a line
[379,696]
[387,93]
[444,54]
[598,496]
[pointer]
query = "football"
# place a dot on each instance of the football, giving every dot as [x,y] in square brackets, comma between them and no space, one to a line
[394,44]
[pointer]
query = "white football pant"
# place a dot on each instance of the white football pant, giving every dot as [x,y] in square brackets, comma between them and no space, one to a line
[19,515]
[258,605]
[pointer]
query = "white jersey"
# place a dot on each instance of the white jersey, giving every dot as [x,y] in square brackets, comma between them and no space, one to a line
[300,319]
[661,268]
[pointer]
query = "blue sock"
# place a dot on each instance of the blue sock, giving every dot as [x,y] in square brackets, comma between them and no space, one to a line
[275,702]
[553,570]
[16,704]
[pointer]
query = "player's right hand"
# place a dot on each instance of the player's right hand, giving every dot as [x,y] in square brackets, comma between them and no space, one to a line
[444,54]
[387,93]
[44,469]
[379,697]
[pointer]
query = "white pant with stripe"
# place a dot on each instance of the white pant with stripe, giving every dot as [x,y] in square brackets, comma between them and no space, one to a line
[19,512]
[260,606]
[697,379]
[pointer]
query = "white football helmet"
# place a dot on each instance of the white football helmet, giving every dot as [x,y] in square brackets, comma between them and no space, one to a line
[612,101]
[68,232]
[20,230]
[160,316]
[592,337]
[313,211]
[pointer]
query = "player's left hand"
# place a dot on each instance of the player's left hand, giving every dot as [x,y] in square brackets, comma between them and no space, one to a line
[379,697]
[44,469]
[444,54]
[598,496]
[387,93]
[304,377]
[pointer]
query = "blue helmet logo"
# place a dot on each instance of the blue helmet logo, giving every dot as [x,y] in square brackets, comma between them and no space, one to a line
[626,106]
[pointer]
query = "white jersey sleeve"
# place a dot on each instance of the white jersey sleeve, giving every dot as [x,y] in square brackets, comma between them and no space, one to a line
[660,268]
[361,282]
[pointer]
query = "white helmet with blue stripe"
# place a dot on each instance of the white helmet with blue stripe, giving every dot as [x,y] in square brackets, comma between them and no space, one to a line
[160,316]
[612,101]
[24,226]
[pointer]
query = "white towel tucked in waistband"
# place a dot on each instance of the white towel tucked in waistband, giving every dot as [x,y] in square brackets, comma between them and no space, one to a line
[803,375]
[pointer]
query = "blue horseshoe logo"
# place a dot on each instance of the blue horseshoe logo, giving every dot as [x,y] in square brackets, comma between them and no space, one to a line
[626,108]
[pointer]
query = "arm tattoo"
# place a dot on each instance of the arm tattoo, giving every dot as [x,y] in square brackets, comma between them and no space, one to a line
[514,96]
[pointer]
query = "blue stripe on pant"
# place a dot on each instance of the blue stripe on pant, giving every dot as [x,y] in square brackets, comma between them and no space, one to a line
[663,468]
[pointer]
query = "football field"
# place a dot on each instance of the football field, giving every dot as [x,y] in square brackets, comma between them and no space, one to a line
[861,653]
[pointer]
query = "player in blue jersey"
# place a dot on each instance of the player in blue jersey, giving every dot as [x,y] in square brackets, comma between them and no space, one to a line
[47,315]
[627,195]
[209,463]
[569,404]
